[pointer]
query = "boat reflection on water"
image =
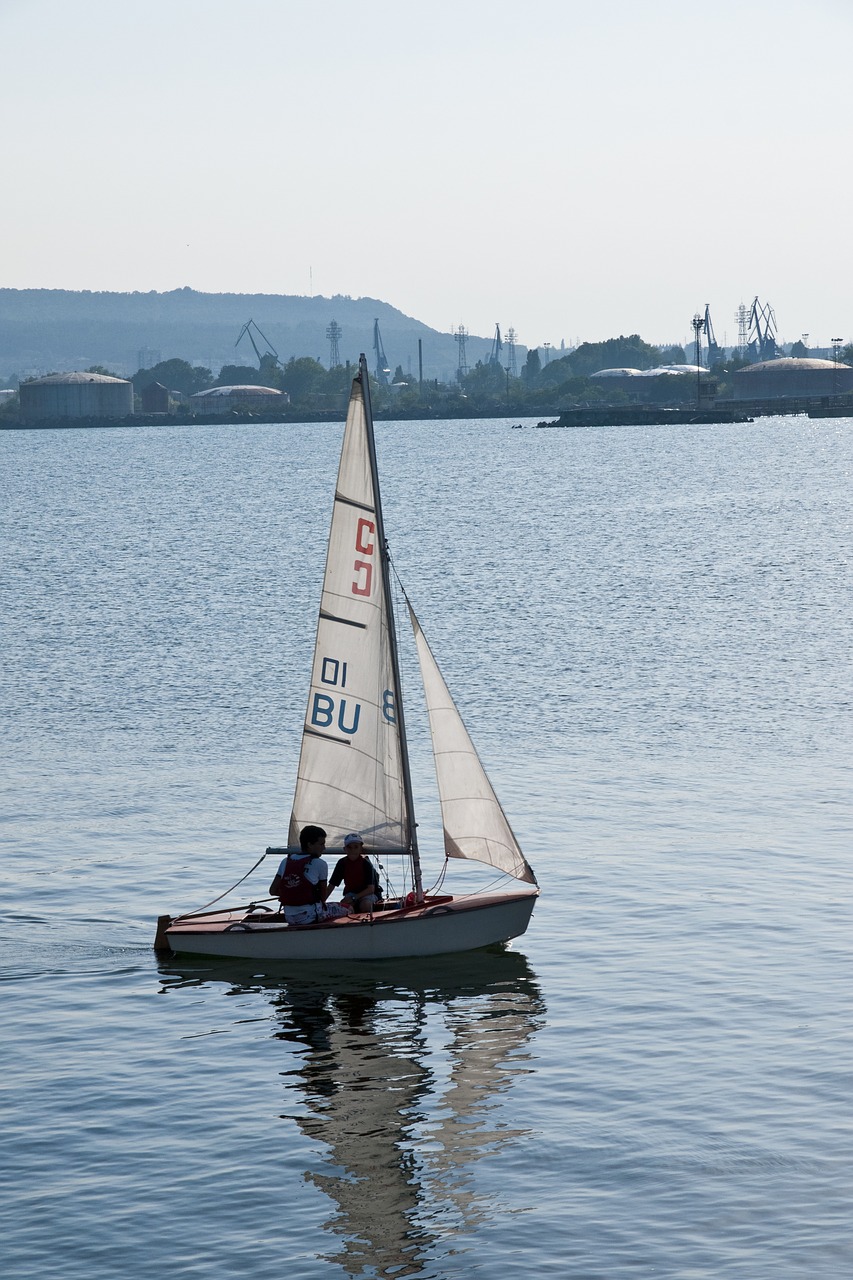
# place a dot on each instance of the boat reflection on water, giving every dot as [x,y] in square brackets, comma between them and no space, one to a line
[398,1071]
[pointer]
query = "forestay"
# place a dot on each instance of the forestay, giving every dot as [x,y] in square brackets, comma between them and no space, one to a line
[475,825]
[350,774]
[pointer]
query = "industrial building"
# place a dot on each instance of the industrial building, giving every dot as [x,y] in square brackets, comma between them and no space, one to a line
[75,395]
[790,376]
[155,398]
[243,399]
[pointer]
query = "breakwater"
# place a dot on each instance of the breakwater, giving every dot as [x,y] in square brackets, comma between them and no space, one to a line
[643,415]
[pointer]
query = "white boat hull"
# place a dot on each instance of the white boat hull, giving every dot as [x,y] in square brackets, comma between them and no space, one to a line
[460,924]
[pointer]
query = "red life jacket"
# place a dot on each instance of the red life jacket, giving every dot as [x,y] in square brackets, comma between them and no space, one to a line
[358,875]
[296,889]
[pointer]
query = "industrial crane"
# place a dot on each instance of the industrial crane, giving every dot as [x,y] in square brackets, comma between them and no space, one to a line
[497,347]
[702,324]
[762,332]
[270,356]
[382,370]
[714,352]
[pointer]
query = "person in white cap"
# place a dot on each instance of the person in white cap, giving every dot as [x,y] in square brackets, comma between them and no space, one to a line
[359,877]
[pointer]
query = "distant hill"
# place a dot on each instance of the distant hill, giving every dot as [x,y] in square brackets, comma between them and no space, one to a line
[54,330]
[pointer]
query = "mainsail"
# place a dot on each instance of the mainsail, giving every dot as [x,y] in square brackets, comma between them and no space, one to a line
[475,825]
[351,768]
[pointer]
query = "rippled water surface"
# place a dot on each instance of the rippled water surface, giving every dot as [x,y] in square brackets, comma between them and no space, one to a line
[649,634]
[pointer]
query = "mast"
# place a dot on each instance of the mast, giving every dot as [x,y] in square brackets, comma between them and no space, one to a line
[364,379]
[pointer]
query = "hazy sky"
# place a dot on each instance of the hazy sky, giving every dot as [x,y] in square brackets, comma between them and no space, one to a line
[571,168]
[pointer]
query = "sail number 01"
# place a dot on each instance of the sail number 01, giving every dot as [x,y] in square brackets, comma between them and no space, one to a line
[333,671]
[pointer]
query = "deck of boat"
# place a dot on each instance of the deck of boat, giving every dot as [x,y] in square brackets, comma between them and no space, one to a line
[438,925]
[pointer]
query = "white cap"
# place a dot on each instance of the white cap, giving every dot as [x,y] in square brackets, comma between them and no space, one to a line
[352,838]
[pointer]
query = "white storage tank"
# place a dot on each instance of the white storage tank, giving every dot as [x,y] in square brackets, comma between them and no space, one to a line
[75,395]
[240,399]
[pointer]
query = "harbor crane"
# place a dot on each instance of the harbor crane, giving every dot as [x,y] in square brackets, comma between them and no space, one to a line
[269,358]
[497,347]
[382,369]
[761,344]
[702,324]
[715,354]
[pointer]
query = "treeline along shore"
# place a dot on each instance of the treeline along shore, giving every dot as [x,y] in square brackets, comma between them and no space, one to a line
[438,376]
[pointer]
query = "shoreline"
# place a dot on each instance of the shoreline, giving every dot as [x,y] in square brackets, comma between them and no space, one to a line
[726,412]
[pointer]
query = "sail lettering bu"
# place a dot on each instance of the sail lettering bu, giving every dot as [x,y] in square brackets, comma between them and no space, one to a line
[475,825]
[351,767]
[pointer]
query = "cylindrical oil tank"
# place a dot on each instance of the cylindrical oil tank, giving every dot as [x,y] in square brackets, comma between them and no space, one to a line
[790,376]
[76,395]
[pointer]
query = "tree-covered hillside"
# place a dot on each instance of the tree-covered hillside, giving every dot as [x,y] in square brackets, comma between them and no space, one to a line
[57,329]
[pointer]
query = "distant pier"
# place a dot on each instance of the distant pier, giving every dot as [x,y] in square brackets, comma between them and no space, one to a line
[645,416]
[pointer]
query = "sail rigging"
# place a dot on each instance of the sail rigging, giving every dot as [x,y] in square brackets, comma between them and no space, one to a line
[353,770]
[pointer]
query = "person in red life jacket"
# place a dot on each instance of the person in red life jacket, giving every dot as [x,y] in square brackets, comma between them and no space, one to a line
[360,879]
[300,882]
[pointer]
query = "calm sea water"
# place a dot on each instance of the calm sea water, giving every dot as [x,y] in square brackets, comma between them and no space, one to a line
[649,633]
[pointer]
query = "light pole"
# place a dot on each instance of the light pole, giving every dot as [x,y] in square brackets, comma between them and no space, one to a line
[836,352]
[698,326]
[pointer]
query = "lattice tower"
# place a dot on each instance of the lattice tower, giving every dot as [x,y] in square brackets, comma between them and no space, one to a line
[511,339]
[333,333]
[742,316]
[460,334]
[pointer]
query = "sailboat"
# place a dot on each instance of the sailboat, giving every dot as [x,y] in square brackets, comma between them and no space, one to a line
[354,774]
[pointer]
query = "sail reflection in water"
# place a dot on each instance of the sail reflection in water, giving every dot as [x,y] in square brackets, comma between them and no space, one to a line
[399,1081]
[398,1076]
